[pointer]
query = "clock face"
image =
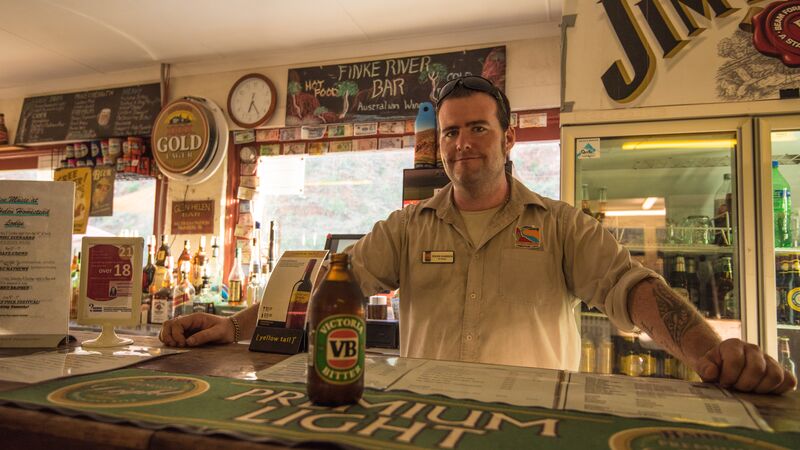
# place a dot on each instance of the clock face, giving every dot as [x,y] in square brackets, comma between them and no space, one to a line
[251,101]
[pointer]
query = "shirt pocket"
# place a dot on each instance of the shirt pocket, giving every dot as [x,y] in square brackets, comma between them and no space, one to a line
[528,276]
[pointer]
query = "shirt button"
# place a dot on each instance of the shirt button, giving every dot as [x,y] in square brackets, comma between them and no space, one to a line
[477,255]
[473,296]
[469,337]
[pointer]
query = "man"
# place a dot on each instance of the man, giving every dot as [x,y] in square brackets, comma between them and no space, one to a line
[490,271]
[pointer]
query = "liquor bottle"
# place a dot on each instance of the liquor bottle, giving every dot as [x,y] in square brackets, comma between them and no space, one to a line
[271,250]
[678,280]
[785,356]
[602,204]
[161,304]
[336,338]
[425,136]
[75,281]
[298,302]
[254,281]
[163,252]
[3,130]
[722,211]
[585,200]
[183,293]
[198,263]
[185,256]
[726,297]
[214,270]
[235,280]
[693,283]
[708,288]
[781,207]
[149,271]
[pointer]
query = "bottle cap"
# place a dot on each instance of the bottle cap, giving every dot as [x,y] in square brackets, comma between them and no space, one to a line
[774,164]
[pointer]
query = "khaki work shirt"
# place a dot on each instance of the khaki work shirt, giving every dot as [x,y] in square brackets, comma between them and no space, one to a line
[507,300]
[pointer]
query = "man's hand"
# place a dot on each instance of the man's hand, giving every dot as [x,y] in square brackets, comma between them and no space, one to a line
[744,367]
[197,329]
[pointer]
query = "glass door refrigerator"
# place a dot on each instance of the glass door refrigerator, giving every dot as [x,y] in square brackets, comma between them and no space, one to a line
[778,176]
[678,196]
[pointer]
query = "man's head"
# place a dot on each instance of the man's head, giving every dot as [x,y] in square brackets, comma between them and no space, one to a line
[474,137]
[468,85]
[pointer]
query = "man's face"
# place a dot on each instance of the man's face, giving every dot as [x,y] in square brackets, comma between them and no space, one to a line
[474,147]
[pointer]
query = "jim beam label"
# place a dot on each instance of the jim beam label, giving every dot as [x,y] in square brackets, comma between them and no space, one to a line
[181,137]
[338,346]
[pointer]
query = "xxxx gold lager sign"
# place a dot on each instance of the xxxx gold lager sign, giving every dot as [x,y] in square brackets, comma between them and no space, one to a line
[184,137]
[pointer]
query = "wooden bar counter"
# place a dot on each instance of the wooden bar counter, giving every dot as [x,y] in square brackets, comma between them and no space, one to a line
[37,429]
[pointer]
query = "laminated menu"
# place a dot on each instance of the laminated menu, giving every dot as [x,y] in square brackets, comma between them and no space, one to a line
[35,236]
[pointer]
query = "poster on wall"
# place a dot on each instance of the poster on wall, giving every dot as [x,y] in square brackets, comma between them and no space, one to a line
[102,191]
[193,217]
[82,177]
[382,89]
[623,54]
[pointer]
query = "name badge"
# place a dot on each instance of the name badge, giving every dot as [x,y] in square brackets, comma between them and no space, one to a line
[438,257]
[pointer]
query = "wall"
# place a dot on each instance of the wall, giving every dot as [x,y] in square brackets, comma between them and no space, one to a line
[532,82]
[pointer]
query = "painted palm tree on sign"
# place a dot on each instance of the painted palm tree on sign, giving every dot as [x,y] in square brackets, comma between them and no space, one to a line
[435,72]
[345,89]
[294,88]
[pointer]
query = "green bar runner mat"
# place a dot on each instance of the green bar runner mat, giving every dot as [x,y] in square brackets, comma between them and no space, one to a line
[280,413]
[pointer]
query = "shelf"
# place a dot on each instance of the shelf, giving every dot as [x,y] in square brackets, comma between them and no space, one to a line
[782,250]
[682,249]
[784,326]
[11,148]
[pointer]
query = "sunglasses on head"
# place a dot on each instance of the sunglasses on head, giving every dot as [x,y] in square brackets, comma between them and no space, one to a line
[474,83]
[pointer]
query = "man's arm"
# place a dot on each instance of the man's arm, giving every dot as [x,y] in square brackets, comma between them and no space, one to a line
[674,324]
[201,328]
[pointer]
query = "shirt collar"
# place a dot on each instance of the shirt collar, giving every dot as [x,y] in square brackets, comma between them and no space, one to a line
[519,198]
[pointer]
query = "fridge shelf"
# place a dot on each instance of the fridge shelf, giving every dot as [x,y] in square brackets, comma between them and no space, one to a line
[786,326]
[709,249]
[783,250]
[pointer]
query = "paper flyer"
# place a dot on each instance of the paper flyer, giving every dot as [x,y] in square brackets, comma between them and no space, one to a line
[35,238]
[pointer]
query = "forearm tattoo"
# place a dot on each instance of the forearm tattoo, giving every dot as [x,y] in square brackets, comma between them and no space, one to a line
[678,316]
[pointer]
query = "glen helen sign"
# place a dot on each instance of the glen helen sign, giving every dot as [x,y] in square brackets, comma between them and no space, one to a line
[671,52]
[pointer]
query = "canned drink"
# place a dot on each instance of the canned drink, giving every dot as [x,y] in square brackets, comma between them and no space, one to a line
[649,364]
[588,356]
[606,360]
[631,364]
[670,367]
[114,147]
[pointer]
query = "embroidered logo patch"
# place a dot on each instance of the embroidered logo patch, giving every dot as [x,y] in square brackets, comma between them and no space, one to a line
[528,237]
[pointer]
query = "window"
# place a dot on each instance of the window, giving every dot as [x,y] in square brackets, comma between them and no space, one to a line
[346,193]
[133,206]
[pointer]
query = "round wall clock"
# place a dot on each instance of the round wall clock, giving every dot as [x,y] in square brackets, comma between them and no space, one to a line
[251,100]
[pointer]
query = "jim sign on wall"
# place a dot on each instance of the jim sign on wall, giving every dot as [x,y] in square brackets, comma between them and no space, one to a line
[632,53]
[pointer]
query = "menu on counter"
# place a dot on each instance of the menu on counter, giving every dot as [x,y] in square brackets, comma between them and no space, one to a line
[77,361]
[35,237]
[99,114]
[672,400]
[652,398]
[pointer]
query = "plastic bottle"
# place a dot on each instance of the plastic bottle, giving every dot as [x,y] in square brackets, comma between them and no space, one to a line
[781,207]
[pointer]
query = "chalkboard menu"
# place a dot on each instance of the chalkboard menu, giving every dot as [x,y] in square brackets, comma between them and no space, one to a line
[104,113]
[382,89]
